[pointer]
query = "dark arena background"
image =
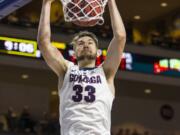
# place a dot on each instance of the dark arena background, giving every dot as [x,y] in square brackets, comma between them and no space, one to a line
[147,84]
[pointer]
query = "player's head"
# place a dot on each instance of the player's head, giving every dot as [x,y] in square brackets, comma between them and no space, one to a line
[85,45]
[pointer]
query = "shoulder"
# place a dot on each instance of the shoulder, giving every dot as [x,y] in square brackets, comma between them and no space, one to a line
[69,63]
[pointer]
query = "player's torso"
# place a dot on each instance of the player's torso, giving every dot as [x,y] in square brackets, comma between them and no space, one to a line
[85,102]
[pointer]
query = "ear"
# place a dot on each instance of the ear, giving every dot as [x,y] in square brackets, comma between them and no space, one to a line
[99,52]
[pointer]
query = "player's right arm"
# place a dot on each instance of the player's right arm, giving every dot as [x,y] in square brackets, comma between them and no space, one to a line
[52,55]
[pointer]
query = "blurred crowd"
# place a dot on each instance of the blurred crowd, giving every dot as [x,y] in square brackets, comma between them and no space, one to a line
[165,41]
[105,32]
[25,123]
[59,26]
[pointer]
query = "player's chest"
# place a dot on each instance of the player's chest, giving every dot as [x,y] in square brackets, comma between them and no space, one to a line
[89,77]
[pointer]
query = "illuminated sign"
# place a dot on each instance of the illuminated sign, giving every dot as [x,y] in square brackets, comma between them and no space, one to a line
[130,61]
[58,45]
[14,46]
[167,65]
[18,47]
[155,65]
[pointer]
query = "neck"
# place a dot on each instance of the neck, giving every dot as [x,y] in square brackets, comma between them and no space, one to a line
[86,63]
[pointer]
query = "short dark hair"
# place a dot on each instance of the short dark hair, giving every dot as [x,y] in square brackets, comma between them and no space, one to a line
[83,34]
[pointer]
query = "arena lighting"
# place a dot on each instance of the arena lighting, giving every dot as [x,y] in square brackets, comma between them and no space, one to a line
[24,76]
[137,17]
[164,4]
[54,93]
[147,91]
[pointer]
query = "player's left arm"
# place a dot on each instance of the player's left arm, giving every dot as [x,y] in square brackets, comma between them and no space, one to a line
[116,47]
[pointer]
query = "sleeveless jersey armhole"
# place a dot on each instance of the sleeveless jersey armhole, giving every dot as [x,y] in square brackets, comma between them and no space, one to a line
[110,91]
[70,64]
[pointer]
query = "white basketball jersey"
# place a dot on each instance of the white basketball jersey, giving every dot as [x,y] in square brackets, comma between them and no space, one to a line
[85,102]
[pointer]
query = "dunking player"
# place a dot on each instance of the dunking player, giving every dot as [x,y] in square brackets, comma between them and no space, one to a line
[86,92]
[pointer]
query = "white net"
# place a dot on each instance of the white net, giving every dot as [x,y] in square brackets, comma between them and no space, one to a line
[84,10]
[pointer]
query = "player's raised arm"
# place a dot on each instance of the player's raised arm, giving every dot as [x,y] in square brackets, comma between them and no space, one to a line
[117,44]
[52,55]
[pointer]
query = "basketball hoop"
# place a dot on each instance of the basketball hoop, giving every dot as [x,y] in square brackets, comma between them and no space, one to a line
[84,12]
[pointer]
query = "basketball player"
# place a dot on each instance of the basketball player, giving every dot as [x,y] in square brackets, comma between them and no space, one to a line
[86,91]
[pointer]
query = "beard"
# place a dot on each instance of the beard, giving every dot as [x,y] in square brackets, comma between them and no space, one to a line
[86,57]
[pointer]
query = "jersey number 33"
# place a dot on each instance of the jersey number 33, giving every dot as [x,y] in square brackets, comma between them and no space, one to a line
[78,97]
